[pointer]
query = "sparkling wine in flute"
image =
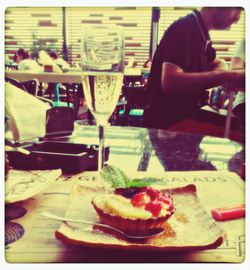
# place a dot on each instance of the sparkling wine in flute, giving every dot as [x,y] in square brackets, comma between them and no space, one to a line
[102,62]
[102,91]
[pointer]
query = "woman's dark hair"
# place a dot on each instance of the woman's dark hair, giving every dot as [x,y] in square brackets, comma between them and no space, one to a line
[34,55]
[53,55]
[24,54]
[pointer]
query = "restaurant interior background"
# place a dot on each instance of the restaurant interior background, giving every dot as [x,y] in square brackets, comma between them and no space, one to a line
[59,29]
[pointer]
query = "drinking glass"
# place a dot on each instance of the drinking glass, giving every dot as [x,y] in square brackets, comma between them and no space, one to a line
[102,63]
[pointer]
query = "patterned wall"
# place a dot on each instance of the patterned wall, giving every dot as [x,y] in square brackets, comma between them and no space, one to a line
[136,22]
[35,28]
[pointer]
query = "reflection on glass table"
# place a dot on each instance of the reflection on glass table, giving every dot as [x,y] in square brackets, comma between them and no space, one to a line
[161,150]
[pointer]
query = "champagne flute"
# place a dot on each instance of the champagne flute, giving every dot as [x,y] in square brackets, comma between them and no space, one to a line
[102,62]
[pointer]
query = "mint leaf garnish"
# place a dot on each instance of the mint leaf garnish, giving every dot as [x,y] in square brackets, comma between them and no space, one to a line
[118,179]
[143,182]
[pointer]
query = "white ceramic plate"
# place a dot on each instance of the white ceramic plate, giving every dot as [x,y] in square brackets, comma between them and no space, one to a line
[22,185]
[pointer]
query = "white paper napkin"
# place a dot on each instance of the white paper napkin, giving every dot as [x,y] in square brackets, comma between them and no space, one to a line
[26,114]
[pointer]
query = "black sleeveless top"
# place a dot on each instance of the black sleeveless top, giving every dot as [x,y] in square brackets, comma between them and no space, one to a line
[183,45]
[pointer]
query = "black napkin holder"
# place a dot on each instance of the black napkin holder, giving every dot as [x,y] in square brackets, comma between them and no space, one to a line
[46,155]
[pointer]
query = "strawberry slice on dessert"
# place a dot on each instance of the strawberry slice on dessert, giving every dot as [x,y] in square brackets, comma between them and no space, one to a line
[140,199]
[154,207]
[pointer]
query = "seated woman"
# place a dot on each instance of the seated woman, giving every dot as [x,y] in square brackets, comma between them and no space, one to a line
[24,61]
[59,61]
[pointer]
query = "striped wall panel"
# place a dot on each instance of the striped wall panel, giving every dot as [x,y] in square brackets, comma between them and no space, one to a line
[136,22]
[224,41]
[33,28]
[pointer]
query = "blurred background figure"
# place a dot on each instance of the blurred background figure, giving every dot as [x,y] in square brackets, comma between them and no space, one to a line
[6,59]
[238,62]
[147,64]
[131,63]
[9,63]
[59,61]
[22,58]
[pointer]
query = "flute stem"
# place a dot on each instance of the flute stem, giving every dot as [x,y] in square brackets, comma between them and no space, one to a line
[101,152]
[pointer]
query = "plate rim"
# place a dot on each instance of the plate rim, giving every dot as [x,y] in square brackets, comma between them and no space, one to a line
[134,246]
[39,190]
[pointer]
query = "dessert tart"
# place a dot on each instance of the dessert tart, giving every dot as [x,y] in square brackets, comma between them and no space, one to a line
[134,209]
